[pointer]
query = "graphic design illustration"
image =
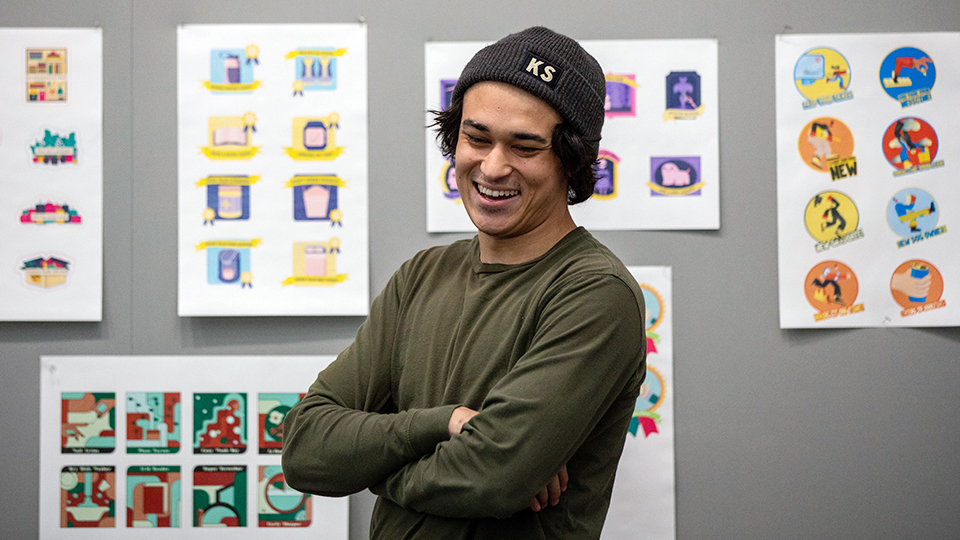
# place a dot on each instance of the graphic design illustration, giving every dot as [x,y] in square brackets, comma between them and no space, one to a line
[832,220]
[228,261]
[910,145]
[272,408]
[448,180]
[46,74]
[446,92]
[654,313]
[53,149]
[88,496]
[88,422]
[907,75]
[315,264]
[826,144]
[279,505]
[917,286]
[606,167]
[228,197]
[153,422]
[822,76]
[315,138]
[651,396]
[675,176]
[153,496]
[831,287]
[44,213]
[220,496]
[219,423]
[913,215]
[45,273]
[231,70]
[231,137]
[621,98]
[683,96]
[315,69]
[316,198]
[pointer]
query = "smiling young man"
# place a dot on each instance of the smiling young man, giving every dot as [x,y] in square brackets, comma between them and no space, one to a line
[488,394]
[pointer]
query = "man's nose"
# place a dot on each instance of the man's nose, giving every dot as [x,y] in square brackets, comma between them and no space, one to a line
[496,164]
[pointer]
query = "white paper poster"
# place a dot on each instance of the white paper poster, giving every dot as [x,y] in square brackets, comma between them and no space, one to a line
[867,134]
[51,189]
[131,444]
[272,169]
[659,156]
[644,494]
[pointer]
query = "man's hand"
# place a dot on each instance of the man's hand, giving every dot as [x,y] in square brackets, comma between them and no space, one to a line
[550,494]
[459,418]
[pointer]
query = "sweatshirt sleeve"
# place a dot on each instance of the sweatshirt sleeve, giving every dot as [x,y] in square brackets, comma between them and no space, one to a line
[587,352]
[345,434]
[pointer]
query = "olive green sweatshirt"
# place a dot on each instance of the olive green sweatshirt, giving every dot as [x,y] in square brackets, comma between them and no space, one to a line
[551,354]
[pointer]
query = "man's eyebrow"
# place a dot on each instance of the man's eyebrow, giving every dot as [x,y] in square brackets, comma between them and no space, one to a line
[519,135]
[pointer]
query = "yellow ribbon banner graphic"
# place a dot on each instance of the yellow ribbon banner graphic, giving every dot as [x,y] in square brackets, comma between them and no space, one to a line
[314,180]
[676,191]
[232,87]
[682,114]
[222,155]
[315,52]
[314,281]
[313,155]
[621,79]
[229,244]
[228,181]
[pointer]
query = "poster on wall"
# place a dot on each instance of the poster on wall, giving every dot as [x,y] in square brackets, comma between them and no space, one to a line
[272,150]
[867,132]
[658,166]
[182,443]
[643,504]
[51,189]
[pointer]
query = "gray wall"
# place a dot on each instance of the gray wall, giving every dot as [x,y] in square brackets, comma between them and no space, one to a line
[779,434]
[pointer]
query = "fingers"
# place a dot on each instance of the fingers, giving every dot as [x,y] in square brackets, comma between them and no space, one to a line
[540,500]
[564,478]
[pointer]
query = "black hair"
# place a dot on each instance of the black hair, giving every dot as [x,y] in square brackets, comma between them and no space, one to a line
[577,156]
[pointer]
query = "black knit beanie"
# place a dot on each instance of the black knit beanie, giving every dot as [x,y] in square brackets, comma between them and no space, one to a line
[550,66]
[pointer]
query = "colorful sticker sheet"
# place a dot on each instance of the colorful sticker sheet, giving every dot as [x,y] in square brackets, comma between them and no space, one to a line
[659,156]
[643,504]
[181,443]
[868,127]
[51,189]
[272,169]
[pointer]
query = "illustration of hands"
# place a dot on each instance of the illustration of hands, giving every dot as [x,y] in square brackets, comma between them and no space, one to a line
[911,284]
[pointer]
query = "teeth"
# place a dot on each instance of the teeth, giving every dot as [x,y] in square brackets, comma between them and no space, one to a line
[495,193]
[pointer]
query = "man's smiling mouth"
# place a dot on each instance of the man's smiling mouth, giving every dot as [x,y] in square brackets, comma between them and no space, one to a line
[496,194]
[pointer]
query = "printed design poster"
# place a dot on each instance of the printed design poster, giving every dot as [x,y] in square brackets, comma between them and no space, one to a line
[272,177]
[643,504]
[111,456]
[658,163]
[51,189]
[867,132]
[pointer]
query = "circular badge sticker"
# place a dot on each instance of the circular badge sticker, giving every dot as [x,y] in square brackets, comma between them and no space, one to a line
[906,71]
[824,140]
[651,391]
[820,73]
[830,285]
[448,180]
[909,142]
[911,211]
[916,282]
[654,304]
[829,215]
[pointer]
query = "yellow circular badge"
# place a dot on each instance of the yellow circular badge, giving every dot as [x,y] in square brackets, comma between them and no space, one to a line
[821,72]
[829,215]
